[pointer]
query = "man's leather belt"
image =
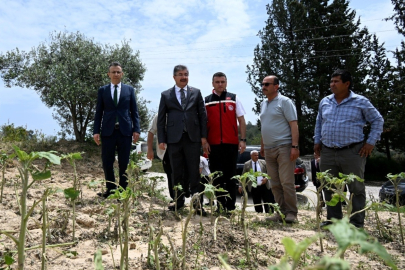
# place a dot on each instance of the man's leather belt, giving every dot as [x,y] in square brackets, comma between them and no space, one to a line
[117,126]
[344,147]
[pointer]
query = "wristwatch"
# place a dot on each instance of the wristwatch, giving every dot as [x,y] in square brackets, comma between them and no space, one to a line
[243,140]
[294,146]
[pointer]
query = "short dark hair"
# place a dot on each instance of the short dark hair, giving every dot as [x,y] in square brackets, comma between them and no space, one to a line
[345,76]
[218,74]
[178,68]
[276,80]
[114,64]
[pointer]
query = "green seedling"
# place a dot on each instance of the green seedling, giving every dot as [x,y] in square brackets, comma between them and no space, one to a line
[248,178]
[395,179]
[347,235]
[210,190]
[125,197]
[72,194]
[377,207]
[154,243]
[26,168]
[98,260]
[4,158]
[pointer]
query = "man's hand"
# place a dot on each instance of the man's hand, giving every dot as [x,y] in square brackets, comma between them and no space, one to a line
[240,190]
[264,181]
[294,154]
[206,147]
[149,154]
[135,137]
[242,147]
[97,138]
[317,149]
[366,150]
[162,146]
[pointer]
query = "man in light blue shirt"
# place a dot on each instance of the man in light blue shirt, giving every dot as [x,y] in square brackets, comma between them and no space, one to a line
[339,139]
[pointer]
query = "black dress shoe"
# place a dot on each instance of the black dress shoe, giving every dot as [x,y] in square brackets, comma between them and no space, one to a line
[200,212]
[104,195]
[325,223]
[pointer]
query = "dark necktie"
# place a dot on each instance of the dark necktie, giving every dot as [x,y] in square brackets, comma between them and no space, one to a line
[183,98]
[116,100]
[317,165]
[255,166]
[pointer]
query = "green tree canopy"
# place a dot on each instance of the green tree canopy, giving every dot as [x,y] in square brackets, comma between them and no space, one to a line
[67,71]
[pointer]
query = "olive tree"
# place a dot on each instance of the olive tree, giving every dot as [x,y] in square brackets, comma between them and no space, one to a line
[66,71]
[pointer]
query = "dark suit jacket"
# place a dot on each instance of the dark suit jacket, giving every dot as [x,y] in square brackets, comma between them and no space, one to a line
[126,111]
[194,115]
[314,170]
[248,165]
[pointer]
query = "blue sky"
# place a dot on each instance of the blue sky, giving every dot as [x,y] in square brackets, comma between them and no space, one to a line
[207,36]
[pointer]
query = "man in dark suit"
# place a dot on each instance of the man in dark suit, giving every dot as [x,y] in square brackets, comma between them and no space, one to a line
[314,169]
[263,189]
[184,131]
[117,116]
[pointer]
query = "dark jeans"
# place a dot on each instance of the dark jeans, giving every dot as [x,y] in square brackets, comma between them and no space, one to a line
[346,161]
[109,144]
[223,158]
[262,193]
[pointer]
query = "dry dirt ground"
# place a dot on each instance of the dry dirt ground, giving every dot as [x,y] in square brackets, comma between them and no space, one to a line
[94,233]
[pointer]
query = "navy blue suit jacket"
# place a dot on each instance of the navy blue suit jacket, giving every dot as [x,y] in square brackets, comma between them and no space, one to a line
[126,110]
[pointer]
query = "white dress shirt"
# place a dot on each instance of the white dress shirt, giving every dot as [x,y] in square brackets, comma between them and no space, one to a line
[258,169]
[178,94]
[118,91]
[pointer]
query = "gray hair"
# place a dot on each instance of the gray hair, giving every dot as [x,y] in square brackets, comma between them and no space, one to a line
[178,68]
[254,152]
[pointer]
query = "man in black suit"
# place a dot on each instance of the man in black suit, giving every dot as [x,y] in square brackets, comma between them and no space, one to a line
[117,117]
[263,189]
[314,169]
[184,131]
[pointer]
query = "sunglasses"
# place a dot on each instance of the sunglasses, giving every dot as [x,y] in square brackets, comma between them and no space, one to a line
[267,84]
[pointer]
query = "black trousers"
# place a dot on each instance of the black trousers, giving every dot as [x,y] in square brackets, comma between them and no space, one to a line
[168,170]
[259,194]
[110,144]
[223,158]
[185,160]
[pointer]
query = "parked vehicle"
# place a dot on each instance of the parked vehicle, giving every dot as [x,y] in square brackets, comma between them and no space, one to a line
[300,172]
[387,192]
[141,147]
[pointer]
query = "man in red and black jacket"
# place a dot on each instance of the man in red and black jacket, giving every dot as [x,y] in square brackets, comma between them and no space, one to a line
[224,110]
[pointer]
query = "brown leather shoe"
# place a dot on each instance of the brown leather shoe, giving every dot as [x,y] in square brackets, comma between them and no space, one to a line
[274,218]
[290,218]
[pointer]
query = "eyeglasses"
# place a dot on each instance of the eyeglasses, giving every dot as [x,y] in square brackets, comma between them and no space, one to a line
[267,84]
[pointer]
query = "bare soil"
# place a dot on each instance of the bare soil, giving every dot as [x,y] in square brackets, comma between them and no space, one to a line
[94,233]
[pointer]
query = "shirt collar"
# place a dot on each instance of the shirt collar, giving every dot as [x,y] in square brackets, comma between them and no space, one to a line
[112,85]
[177,89]
[351,95]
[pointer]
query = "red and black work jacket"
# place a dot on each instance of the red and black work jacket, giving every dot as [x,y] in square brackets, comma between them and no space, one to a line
[221,114]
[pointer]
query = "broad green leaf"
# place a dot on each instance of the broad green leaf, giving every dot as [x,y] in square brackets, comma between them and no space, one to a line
[347,235]
[289,245]
[8,260]
[332,264]
[37,176]
[50,156]
[335,199]
[71,193]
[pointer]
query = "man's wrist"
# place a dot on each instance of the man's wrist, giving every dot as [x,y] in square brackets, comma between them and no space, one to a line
[242,140]
[295,146]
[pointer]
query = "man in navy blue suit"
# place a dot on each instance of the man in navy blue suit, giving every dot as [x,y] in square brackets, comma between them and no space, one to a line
[117,117]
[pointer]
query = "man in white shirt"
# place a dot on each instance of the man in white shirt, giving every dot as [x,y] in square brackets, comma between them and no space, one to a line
[263,190]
